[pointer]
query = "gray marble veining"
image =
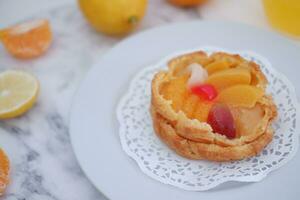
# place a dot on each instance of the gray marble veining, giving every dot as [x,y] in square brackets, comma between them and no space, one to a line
[43,165]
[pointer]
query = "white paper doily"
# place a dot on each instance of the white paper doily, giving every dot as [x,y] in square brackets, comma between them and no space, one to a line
[159,162]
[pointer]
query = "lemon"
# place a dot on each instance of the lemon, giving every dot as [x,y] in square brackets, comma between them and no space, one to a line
[113,17]
[18,93]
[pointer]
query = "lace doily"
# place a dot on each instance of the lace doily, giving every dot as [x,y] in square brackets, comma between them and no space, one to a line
[159,162]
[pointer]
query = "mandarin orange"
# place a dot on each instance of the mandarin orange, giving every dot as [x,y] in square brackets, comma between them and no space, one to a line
[27,40]
[4,171]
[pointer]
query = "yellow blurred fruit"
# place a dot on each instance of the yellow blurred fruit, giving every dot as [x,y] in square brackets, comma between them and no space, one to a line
[18,93]
[186,3]
[113,17]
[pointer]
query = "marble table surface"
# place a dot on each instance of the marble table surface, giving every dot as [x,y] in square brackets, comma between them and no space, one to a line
[43,165]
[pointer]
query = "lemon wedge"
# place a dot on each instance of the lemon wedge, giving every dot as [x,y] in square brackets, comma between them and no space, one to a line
[18,93]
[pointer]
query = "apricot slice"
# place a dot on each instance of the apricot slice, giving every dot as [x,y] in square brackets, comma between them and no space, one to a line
[229,77]
[217,66]
[241,95]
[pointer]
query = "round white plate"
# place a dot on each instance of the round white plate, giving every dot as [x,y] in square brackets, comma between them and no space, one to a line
[94,127]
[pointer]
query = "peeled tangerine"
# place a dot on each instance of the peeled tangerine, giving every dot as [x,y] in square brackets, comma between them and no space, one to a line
[27,40]
[240,95]
[221,120]
[229,77]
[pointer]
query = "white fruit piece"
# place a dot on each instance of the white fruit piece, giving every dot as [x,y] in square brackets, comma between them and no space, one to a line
[198,75]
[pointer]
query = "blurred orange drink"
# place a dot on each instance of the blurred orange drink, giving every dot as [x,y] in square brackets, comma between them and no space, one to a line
[284,15]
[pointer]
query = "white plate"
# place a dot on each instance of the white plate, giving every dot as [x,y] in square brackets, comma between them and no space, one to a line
[94,127]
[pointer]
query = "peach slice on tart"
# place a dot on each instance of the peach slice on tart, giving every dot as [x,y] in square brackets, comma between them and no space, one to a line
[229,77]
[241,95]
[217,66]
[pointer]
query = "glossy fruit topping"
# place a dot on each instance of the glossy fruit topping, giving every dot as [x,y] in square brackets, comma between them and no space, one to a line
[192,105]
[221,120]
[205,91]
[189,104]
[198,75]
[201,110]
[229,77]
[217,66]
[241,96]
[176,91]
[247,120]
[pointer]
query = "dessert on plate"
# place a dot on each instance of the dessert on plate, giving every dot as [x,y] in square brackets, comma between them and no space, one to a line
[212,107]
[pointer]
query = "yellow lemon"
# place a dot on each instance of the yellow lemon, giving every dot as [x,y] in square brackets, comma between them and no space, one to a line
[18,93]
[113,17]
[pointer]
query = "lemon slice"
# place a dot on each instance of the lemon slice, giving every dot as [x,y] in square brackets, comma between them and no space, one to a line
[18,93]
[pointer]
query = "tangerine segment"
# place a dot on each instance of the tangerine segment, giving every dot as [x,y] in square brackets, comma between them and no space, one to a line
[202,109]
[4,171]
[229,77]
[190,104]
[217,66]
[182,99]
[175,90]
[241,95]
[27,40]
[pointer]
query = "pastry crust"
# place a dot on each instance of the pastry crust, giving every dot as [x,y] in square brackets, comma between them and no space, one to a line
[196,140]
[208,151]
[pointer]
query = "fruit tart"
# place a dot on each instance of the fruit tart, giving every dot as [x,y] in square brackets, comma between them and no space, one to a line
[212,107]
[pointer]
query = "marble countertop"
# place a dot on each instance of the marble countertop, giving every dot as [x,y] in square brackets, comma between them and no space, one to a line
[43,165]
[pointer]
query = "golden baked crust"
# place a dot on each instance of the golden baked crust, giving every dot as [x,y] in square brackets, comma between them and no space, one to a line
[208,151]
[196,140]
